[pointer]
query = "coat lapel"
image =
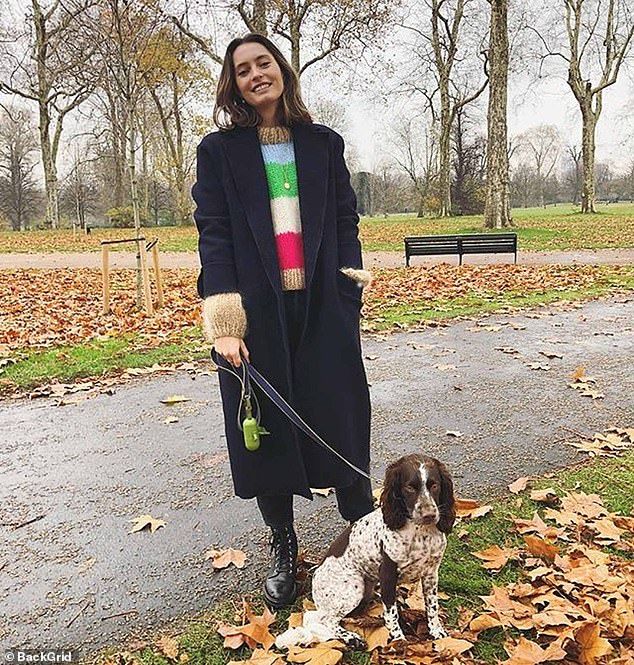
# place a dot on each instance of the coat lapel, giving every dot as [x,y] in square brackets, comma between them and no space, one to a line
[311,158]
[247,166]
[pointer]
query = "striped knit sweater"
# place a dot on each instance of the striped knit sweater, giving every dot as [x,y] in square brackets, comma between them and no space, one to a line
[276,144]
[223,313]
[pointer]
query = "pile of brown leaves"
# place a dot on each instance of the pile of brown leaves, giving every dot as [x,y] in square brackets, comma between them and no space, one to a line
[58,307]
[575,601]
[573,604]
[55,307]
[393,287]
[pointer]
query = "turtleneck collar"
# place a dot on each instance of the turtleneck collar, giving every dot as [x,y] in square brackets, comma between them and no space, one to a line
[276,134]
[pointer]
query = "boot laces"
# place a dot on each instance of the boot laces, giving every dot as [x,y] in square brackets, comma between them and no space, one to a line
[281,544]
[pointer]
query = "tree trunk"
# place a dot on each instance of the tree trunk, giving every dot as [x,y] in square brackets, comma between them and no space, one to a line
[118,132]
[134,195]
[444,151]
[43,88]
[295,39]
[259,17]
[179,163]
[497,213]
[50,177]
[175,146]
[589,120]
[421,207]
[145,142]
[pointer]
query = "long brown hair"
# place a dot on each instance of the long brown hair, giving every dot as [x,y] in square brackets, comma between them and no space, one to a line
[236,112]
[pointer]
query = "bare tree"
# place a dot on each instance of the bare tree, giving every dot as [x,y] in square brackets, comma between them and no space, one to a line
[615,39]
[314,29]
[416,153]
[57,75]
[469,166]
[123,31]
[497,209]
[575,177]
[523,183]
[331,113]
[78,193]
[172,75]
[542,144]
[179,12]
[323,28]
[18,188]
[446,73]
[599,36]
[254,17]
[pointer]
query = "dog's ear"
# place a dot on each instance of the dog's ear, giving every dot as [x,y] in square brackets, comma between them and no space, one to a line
[447,507]
[392,500]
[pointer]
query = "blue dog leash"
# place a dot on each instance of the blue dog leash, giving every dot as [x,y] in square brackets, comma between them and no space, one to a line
[251,374]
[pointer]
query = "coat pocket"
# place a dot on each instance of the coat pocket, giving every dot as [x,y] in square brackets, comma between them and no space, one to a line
[349,289]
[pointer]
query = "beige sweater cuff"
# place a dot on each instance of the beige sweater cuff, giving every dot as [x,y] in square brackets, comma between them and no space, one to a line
[224,316]
[360,276]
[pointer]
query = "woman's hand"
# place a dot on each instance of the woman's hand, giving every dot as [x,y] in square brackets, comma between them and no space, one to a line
[229,348]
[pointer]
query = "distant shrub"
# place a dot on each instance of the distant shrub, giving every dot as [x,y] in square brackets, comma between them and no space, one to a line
[123,217]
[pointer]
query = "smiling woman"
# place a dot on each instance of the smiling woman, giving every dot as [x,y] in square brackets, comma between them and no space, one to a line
[258,87]
[281,278]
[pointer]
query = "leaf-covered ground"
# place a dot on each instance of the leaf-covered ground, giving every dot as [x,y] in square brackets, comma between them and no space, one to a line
[558,227]
[52,327]
[44,308]
[545,575]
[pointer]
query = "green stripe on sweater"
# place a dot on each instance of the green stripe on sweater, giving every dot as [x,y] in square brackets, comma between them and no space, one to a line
[275,179]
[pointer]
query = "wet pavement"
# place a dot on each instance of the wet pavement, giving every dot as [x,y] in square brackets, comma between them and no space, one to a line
[76,577]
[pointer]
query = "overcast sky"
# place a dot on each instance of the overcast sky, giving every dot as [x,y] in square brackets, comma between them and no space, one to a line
[367,128]
[552,104]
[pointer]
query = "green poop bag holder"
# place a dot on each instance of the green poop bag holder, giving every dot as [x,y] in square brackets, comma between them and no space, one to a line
[250,425]
[251,429]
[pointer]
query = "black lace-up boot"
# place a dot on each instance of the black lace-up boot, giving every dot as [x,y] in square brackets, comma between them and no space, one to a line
[280,588]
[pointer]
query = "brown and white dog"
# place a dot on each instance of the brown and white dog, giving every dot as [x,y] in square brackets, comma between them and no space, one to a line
[401,541]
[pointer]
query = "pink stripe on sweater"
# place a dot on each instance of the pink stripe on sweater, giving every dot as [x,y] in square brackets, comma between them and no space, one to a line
[290,250]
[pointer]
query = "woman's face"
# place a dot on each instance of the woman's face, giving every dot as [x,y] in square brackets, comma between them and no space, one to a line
[258,76]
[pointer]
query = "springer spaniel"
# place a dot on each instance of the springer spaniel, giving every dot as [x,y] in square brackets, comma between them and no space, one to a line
[401,541]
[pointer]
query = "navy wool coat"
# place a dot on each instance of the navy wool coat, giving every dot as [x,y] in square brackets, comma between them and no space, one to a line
[325,381]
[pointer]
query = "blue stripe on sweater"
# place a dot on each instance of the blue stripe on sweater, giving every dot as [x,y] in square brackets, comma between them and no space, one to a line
[280,153]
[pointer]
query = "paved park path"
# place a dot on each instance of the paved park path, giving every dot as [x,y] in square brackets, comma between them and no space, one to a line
[371,259]
[76,577]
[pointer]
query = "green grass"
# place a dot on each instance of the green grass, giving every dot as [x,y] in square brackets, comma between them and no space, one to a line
[98,358]
[462,578]
[102,357]
[446,309]
[560,227]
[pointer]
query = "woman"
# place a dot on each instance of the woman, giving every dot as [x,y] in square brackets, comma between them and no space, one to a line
[281,283]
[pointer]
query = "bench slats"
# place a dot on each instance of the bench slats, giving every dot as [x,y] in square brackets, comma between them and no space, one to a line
[482,243]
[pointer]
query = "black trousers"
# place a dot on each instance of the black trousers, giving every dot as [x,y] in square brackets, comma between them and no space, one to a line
[353,501]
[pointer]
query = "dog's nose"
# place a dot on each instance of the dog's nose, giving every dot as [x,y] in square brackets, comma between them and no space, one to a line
[428,518]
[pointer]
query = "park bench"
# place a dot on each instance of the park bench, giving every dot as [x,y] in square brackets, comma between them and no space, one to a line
[461,244]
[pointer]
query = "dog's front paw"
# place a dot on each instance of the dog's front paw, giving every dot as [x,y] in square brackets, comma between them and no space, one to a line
[355,642]
[397,635]
[438,632]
